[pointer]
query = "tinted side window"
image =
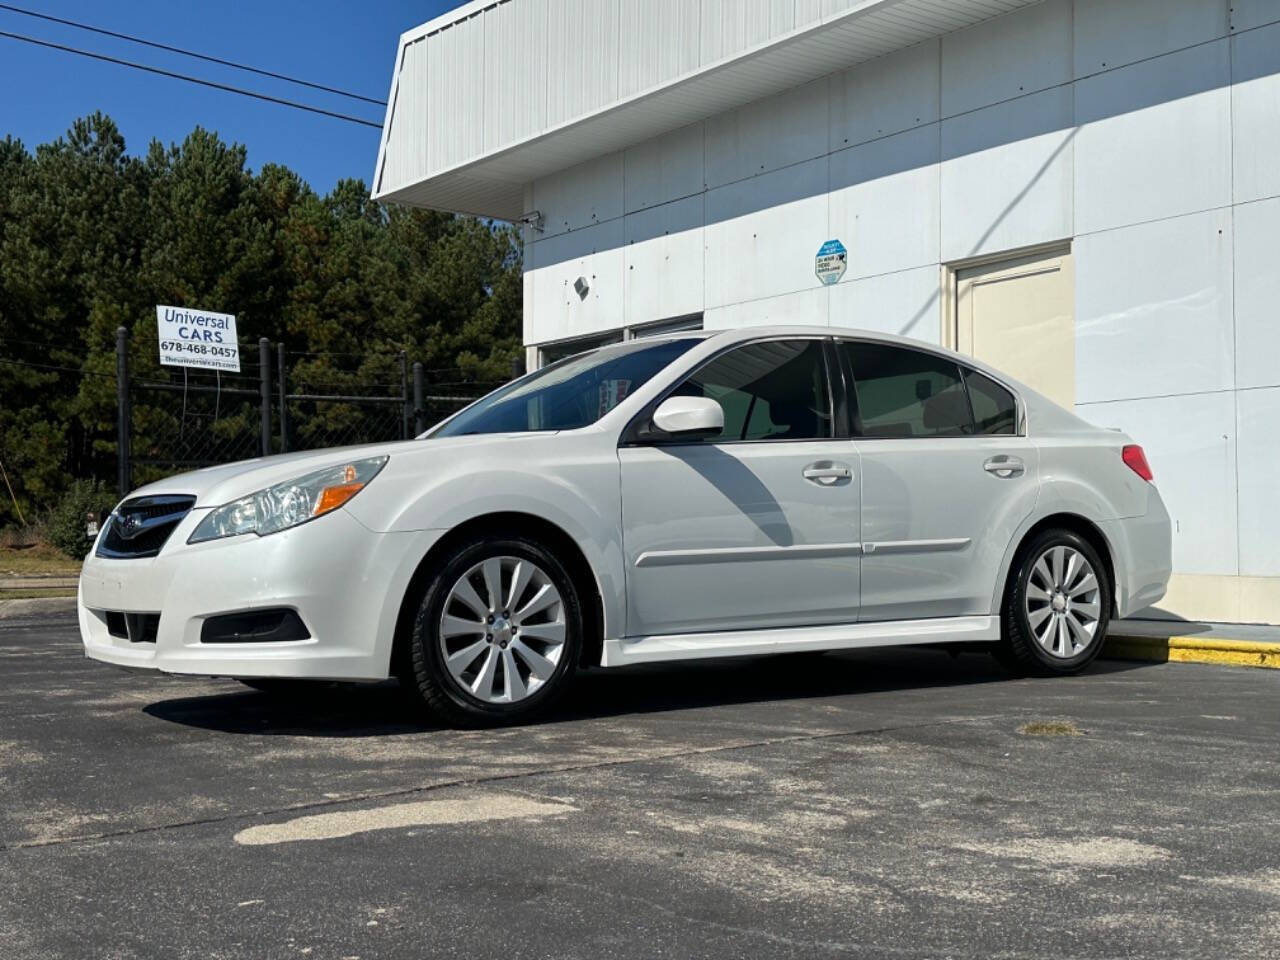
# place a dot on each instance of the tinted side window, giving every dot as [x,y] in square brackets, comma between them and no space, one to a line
[905,393]
[994,409]
[774,390]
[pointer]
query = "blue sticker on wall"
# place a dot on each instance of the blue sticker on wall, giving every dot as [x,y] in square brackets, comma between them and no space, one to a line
[831,262]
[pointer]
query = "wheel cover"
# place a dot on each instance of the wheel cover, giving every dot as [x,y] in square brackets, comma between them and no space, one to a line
[1063,602]
[502,630]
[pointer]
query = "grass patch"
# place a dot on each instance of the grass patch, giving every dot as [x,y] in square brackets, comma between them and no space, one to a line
[40,558]
[35,594]
[1050,728]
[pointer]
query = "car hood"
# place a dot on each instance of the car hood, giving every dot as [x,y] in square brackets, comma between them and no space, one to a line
[214,486]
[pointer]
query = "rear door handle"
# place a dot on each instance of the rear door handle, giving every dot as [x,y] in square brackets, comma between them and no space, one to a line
[827,473]
[1004,467]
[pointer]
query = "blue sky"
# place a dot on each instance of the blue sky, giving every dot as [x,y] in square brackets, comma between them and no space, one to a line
[339,43]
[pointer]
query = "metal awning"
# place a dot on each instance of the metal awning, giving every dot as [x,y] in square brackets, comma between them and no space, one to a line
[492,184]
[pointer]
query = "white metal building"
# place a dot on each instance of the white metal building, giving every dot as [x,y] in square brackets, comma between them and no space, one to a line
[1085,193]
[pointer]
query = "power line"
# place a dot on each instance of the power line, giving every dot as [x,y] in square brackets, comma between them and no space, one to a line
[190,79]
[190,53]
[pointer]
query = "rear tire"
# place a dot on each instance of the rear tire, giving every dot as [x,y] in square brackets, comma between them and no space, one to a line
[498,633]
[1057,606]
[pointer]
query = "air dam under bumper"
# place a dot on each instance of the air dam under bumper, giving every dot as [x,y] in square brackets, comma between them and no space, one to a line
[343,580]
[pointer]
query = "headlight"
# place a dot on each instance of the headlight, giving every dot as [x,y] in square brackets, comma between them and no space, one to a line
[290,503]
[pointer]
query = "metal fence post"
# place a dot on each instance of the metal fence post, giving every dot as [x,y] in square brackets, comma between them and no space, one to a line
[419,390]
[404,395]
[264,385]
[284,409]
[123,418]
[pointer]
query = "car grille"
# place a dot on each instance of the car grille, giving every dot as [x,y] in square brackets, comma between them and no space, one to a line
[140,527]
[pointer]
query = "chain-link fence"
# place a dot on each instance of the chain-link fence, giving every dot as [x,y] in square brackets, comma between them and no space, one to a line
[186,418]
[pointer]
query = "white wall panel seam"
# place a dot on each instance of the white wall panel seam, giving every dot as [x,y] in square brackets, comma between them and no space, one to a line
[1216,208]
[941,206]
[1075,130]
[1157,56]
[703,134]
[1246,203]
[1235,307]
[1171,396]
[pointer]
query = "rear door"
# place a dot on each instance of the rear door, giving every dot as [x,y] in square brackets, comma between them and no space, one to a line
[947,477]
[757,527]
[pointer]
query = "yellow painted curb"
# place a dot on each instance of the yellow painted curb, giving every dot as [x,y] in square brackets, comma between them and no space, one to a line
[1240,653]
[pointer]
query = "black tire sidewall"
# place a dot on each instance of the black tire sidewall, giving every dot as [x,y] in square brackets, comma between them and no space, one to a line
[1021,638]
[434,681]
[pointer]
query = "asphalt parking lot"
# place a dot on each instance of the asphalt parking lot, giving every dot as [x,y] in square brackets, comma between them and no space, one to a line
[892,804]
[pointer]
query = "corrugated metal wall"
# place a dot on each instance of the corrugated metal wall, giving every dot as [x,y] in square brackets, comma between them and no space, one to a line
[660,42]
[505,71]
[515,92]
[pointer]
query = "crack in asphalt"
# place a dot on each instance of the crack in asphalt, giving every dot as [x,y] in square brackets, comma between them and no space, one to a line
[484,780]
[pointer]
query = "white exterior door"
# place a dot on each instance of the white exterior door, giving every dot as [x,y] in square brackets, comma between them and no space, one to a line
[753,529]
[1018,316]
[946,480]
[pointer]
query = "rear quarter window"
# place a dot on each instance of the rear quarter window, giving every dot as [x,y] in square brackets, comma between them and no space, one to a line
[995,411]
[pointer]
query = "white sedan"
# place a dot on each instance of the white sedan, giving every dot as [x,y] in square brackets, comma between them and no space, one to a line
[755,491]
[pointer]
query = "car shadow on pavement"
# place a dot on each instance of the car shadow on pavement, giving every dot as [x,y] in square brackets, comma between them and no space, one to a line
[796,676]
[323,710]
[383,709]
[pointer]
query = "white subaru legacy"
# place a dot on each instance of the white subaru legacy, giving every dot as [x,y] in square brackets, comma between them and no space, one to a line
[705,495]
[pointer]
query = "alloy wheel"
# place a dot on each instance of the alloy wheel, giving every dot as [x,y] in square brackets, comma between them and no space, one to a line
[502,629]
[1063,602]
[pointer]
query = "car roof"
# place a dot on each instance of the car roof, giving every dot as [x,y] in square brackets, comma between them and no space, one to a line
[745,334]
[814,330]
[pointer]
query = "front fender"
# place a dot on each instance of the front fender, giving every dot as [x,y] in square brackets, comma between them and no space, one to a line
[581,497]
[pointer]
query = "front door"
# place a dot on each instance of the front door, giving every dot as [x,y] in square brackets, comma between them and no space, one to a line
[947,478]
[757,527]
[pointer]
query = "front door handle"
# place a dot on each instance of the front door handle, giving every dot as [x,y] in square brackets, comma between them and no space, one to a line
[827,473]
[1004,467]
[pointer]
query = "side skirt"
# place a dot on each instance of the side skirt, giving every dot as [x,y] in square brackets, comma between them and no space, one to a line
[847,636]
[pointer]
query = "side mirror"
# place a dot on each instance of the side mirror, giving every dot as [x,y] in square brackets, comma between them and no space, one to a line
[689,418]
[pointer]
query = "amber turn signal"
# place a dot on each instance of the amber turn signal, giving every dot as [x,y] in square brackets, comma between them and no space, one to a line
[331,498]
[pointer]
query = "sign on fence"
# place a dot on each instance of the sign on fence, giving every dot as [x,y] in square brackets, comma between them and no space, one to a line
[198,338]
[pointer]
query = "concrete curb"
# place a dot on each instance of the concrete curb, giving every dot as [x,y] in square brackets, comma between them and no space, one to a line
[1239,653]
[35,607]
[37,583]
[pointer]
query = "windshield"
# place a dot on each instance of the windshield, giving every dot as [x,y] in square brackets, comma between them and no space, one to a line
[574,392]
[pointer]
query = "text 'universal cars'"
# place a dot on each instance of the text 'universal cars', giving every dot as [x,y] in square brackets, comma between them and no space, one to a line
[756,491]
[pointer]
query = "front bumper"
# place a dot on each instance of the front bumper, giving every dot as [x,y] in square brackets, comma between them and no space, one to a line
[343,580]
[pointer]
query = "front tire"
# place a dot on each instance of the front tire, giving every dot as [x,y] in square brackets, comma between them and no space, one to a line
[498,633]
[1057,606]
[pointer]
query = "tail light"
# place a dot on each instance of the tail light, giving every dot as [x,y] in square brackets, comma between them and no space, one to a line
[1137,461]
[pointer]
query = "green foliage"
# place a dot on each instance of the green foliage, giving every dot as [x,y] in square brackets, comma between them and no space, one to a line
[69,516]
[92,238]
